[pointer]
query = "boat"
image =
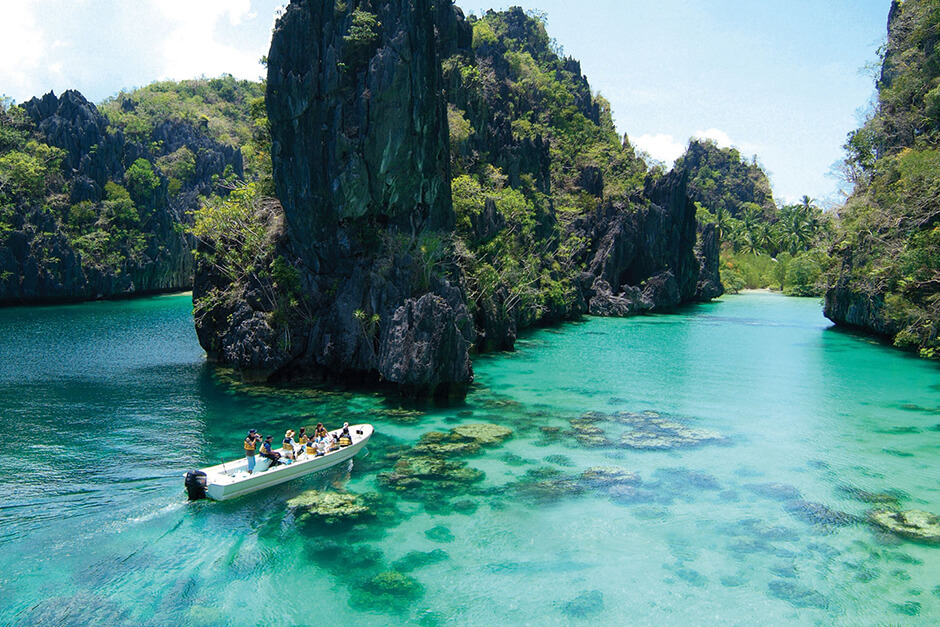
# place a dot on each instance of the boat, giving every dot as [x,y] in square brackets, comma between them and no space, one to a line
[231,479]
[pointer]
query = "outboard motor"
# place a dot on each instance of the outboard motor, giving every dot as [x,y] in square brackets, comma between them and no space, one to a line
[196,485]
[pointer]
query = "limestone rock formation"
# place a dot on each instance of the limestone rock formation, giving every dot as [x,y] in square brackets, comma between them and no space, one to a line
[360,151]
[39,261]
[645,258]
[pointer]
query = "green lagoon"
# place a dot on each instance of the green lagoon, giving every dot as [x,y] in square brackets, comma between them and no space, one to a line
[775,434]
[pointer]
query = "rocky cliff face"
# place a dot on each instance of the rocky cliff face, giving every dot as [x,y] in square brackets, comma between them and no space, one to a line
[39,261]
[644,258]
[366,224]
[361,165]
[887,236]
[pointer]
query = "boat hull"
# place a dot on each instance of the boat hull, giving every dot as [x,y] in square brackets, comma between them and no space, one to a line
[231,479]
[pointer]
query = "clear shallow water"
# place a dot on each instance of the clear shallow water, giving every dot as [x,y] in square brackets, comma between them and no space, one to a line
[105,405]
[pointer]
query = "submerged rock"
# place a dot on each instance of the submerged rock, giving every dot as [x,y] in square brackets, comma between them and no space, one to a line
[819,514]
[585,605]
[462,440]
[594,441]
[886,499]
[797,595]
[437,444]
[775,491]
[545,485]
[419,559]
[439,534]
[655,433]
[412,472]
[483,434]
[605,477]
[685,481]
[912,524]
[691,577]
[389,590]
[330,507]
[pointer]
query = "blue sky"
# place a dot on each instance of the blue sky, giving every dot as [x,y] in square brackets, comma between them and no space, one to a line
[784,80]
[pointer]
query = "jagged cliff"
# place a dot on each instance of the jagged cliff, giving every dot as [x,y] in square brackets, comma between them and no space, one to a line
[83,235]
[888,277]
[361,166]
[376,263]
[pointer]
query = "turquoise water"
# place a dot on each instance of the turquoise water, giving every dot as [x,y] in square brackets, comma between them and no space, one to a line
[780,429]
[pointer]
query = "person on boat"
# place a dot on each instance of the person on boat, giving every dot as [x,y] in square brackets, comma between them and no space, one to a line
[320,430]
[310,448]
[330,440]
[344,438]
[268,452]
[251,443]
[287,448]
[302,437]
[322,448]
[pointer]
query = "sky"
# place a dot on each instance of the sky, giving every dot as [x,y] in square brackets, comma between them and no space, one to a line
[785,80]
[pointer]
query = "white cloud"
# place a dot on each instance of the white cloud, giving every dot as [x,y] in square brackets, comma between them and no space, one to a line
[661,147]
[22,44]
[192,46]
[724,141]
[717,135]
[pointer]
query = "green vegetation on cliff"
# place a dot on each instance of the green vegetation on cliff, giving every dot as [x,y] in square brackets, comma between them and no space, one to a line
[532,149]
[228,110]
[888,239]
[93,201]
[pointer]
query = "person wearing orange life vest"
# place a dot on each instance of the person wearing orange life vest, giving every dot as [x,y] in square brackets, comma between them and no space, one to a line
[251,441]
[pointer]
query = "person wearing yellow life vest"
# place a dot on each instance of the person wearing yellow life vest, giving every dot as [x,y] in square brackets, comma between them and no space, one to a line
[302,438]
[268,452]
[344,438]
[310,447]
[287,448]
[251,442]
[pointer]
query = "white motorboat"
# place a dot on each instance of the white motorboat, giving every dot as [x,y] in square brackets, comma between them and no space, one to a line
[232,479]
